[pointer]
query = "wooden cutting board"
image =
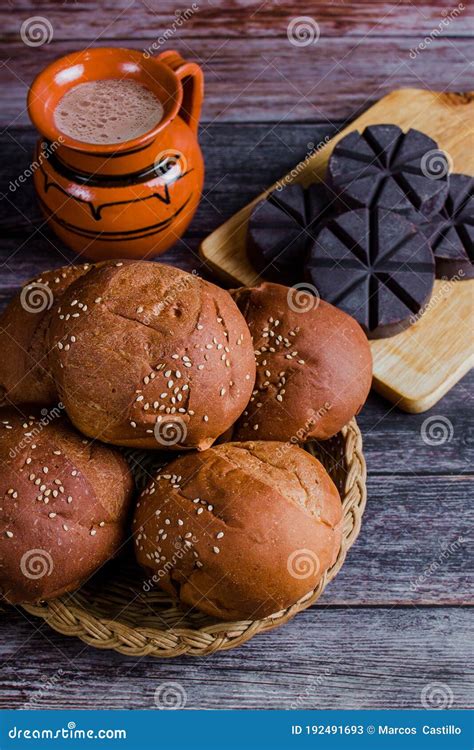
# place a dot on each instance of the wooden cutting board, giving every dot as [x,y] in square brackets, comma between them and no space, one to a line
[417,367]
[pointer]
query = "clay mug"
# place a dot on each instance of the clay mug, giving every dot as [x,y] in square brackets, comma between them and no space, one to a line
[133,199]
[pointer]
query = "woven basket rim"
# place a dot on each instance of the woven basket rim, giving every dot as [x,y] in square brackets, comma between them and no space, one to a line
[68,618]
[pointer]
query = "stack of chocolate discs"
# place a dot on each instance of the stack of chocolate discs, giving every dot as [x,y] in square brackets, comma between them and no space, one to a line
[372,239]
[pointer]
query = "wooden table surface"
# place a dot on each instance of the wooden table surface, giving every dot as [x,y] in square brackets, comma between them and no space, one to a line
[395,624]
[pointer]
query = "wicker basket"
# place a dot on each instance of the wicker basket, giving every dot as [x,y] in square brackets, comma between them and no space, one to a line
[113,610]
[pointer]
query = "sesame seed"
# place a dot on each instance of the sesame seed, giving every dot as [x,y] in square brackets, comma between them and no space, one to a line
[9,534]
[216,550]
[220,535]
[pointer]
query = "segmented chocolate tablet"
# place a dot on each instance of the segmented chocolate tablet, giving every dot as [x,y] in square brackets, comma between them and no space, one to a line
[451,232]
[374,265]
[280,229]
[383,167]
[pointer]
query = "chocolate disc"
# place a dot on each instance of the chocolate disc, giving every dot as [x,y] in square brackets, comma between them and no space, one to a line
[383,167]
[374,265]
[451,232]
[280,229]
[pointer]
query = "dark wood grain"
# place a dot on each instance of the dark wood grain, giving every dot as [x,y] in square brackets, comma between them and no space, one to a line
[413,548]
[150,19]
[397,617]
[270,79]
[351,658]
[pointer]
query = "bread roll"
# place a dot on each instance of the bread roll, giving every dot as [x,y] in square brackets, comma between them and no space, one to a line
[240,531]
[24,370]
[149,356]
[64,505]
[314,366]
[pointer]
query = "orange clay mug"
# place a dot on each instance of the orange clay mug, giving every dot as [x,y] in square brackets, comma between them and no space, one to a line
[133,199]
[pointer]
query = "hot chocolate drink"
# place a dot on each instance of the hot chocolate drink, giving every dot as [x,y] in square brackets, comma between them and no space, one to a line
[108,111]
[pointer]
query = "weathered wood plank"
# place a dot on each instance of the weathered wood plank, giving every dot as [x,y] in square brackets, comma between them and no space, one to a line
[272,80]
[413,547]
[341,658]
[393,439]
[87,19]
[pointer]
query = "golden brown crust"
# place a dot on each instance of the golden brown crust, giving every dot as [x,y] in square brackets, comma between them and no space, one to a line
[314,366]
[149,356]
[241,530]
[64,505]
[24,369]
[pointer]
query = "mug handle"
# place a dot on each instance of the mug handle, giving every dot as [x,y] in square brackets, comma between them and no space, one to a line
[192,81]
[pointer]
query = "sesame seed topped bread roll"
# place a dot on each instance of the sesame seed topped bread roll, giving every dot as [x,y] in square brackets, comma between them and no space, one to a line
[240,531]
[24,369]
[146,355]
[64,505]
[314,366]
